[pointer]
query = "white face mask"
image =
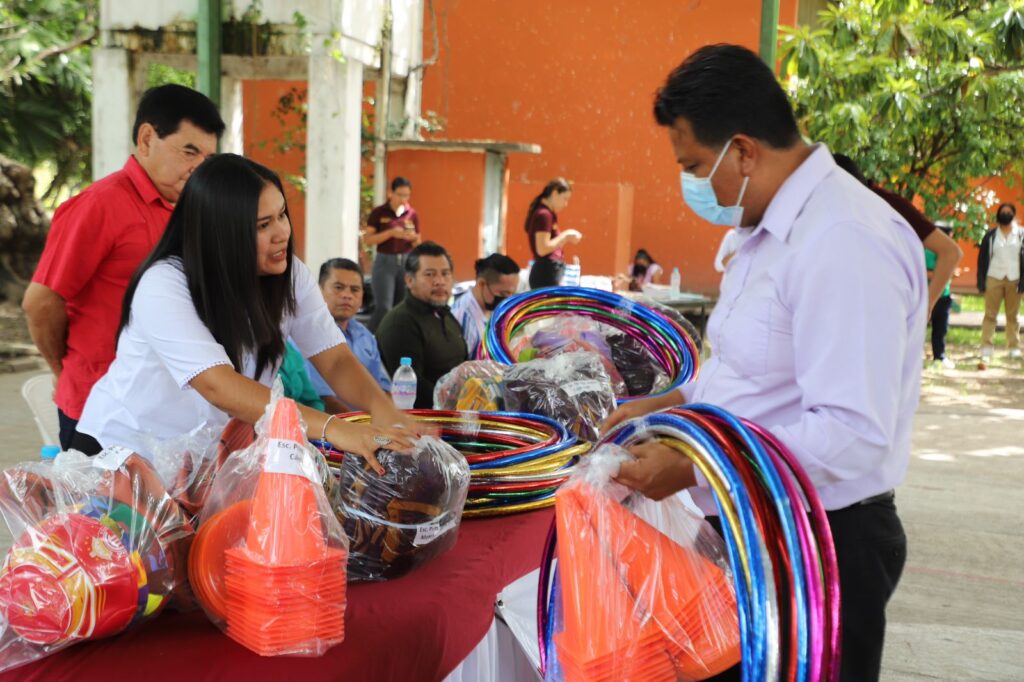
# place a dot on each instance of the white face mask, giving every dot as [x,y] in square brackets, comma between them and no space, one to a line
[699,195]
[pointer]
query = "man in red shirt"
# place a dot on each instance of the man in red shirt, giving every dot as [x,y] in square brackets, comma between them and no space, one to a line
[394,228]
[98,238]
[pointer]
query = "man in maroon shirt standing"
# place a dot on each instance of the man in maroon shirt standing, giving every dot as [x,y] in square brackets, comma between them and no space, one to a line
[394,228]
[98,238]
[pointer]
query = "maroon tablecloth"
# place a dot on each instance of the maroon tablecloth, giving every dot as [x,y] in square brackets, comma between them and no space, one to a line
[418,627]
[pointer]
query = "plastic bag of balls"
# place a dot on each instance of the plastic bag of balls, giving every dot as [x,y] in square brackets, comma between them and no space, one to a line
[99,546]
[473,386]
[268,561]
[405,517]
[572,388]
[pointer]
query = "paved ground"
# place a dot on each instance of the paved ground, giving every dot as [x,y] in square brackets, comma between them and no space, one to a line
[958,612]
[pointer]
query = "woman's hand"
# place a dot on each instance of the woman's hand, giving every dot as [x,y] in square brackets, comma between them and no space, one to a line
[365,439]
[387,415]
[573,236]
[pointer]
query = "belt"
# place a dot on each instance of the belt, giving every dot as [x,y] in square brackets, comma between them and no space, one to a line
[887,496]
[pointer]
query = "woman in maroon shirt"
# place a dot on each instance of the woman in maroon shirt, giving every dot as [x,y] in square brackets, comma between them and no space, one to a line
[546,241]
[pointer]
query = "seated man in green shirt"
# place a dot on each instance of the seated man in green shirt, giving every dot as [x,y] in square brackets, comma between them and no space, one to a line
[422,327]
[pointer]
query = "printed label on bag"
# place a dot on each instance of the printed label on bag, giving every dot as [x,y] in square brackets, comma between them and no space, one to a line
[574,388]
[428,532]
[289,457]
[111,458]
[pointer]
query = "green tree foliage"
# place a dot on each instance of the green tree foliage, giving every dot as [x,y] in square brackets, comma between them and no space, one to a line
[926,95]
[45,85]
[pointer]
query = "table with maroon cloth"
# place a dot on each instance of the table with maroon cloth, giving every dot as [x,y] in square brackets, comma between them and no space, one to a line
[417,627]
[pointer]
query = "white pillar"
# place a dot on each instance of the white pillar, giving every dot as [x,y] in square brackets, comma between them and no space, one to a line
[334,125]
[231,112]
[113,110]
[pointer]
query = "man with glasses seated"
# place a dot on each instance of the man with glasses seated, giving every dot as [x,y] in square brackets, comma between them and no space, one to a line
[422,326]
[98,238]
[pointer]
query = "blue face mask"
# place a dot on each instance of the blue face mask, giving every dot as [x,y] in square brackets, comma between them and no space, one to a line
[699,195]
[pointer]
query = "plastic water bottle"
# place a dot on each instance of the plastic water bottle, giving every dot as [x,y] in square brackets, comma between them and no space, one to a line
[403,385]
[674,283]
[49,452]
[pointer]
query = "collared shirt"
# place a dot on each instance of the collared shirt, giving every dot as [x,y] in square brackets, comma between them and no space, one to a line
[1005,263]
[817,334]
[473,320]
[384,217]
[364,346]
[429,336]
[732,241]
[146,394]
[97,240]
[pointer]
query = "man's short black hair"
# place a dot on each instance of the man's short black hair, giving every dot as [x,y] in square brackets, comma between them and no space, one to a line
[725,90]
[494,266]
[400,182]
[339,264]
[412,261]
[165,107]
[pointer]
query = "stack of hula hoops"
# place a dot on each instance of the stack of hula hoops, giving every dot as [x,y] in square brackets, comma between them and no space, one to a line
[670,345]
[782,558]
[516,461]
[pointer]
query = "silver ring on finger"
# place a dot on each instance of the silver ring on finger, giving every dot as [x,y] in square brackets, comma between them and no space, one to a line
[382,441]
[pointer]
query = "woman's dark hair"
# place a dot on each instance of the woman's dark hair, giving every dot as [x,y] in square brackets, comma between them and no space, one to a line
[165,107]
[559,185]
[213,232]
[399,181]
[339,264]
[643,253]
[494,266]
[724,90]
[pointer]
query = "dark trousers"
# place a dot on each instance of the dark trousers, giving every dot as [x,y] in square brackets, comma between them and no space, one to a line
[546,272]
[940,325]
[871,549]
[71,439]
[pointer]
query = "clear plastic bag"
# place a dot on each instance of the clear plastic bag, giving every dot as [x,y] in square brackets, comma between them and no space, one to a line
[99,545]
[405,517]
[645,589]
[268,561]
[573,389]
[549,337]
[475,386]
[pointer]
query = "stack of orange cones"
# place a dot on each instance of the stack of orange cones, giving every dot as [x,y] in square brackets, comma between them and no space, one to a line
[285,586]
[637,605]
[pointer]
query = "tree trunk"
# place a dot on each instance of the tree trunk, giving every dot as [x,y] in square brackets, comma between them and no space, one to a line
[23,228]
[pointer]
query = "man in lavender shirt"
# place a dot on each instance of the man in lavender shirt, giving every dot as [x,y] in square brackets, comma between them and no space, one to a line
[817,334]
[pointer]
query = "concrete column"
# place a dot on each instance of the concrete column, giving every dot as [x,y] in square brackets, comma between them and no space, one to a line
[334,123]
[113,110]
[231,112]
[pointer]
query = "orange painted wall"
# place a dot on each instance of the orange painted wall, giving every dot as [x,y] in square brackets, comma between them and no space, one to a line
[578,78]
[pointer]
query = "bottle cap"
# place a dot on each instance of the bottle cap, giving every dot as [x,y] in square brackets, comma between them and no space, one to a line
[406,362]
[49,451]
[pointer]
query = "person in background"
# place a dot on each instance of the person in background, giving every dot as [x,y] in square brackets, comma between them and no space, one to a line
[394,228]
[98,238]
[341,284]
[645,270]
[547,242]
[816,336]
[940,312]
[947,252]
[731,243]
[497,278]
[205,320]
[1000,265]
[422,327]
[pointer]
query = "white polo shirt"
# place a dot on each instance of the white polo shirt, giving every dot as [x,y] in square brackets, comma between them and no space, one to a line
[1005,261]
[146,392]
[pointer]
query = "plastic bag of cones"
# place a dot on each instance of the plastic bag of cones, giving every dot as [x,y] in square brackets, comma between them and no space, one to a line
[269,560]
[639,601]
[99,545]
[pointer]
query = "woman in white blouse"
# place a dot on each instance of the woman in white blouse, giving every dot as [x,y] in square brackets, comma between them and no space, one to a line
[205,319]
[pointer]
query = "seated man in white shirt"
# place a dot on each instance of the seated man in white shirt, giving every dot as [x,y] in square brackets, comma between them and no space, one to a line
[817,334]
[497,278]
